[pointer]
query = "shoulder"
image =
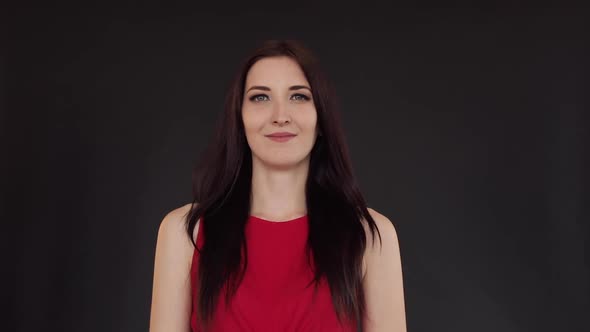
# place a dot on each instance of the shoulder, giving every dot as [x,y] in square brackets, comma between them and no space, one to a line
[172,229]
[174,220]
[171,296]
[386,229]
[384,243]
[383,280]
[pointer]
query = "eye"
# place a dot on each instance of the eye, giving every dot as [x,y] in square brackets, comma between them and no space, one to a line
[297,96]
[303,97]
[255,97]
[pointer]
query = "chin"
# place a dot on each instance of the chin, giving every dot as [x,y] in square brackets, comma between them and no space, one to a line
[280,160]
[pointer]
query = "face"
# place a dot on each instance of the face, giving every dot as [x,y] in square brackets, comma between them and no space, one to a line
[277,98]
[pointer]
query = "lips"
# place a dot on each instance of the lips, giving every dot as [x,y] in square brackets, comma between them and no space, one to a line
[281,134]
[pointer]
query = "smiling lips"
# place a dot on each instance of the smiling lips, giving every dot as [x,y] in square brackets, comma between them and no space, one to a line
[281,136]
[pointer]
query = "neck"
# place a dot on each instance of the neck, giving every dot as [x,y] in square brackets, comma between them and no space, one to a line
[278,193]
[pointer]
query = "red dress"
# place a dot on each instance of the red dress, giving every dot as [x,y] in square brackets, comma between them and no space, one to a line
[272,295]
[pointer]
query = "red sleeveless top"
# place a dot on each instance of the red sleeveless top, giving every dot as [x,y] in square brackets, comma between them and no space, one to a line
[273,294]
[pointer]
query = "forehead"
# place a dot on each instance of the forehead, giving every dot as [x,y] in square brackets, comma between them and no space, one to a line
[277,71]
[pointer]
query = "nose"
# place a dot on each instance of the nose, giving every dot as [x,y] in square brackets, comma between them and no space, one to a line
[280,115]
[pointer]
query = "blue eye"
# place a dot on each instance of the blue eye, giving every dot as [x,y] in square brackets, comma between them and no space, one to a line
[254,98]
[302,97]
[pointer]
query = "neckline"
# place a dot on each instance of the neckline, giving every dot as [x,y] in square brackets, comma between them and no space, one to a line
[266,221]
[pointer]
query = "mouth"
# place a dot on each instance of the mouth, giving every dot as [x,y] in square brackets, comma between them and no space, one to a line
[281,138]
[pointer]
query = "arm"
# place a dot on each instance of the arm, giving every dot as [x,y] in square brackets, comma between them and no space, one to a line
[171,293]
[383,282]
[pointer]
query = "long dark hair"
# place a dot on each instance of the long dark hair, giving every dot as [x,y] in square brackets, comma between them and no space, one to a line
[335,206]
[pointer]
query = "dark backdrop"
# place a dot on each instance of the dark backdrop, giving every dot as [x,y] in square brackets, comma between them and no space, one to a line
[466,127]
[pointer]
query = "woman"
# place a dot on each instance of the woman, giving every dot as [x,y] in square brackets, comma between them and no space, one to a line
[278,236]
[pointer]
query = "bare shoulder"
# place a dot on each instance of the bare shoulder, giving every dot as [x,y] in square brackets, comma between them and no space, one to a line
[385,227]
[171,296]
[174,223]
[383,280]
[181,211]
[175,219]
[172,230]
[386,237]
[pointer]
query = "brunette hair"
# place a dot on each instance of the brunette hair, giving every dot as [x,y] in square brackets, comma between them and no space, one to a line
[335,206]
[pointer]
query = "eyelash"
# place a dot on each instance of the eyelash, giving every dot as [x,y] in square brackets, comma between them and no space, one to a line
[305,98]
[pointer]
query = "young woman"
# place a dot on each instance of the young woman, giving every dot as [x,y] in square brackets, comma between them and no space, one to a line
[278,236]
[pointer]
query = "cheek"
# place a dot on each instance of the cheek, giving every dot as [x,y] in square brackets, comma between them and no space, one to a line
[251,120]
[254,125]
[309,119]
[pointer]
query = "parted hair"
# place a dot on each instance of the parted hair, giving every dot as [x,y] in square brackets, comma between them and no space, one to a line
[336,209]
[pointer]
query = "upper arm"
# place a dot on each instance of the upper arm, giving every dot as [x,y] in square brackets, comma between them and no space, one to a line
[171,292]
[383,282]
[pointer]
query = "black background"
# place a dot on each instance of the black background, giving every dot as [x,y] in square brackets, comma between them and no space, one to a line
[466,127]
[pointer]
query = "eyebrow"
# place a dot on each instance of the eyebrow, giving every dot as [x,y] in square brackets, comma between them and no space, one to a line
[265,88]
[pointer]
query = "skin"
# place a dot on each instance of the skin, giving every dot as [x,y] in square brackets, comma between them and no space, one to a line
[279,172]
[279,169]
